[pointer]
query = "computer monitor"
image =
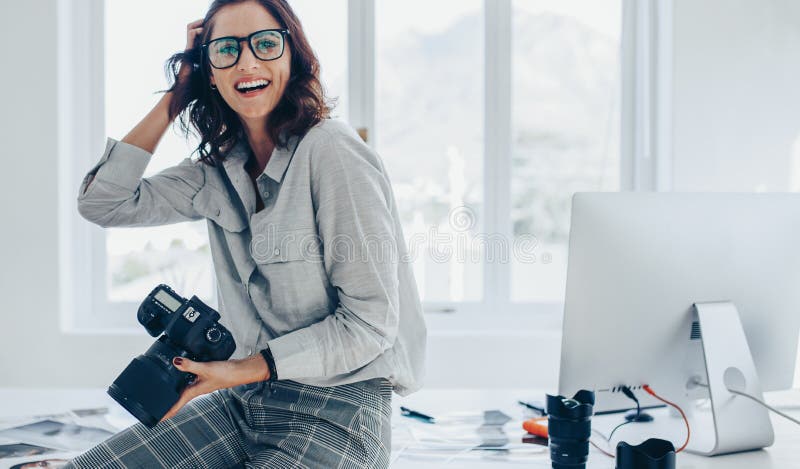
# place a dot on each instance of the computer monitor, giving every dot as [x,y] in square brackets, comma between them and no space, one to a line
[663,288]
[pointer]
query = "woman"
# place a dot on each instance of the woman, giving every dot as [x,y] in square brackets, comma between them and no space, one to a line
[308,252]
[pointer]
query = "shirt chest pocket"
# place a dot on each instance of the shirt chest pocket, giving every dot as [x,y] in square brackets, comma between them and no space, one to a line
[273,246]
[215,205]
[291,262]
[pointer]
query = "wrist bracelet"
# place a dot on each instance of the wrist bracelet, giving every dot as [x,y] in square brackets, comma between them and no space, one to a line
[267,354]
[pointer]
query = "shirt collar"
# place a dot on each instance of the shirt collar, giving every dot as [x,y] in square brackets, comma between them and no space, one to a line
[278,161]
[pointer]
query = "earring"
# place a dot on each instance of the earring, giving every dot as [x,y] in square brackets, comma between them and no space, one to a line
[213,87]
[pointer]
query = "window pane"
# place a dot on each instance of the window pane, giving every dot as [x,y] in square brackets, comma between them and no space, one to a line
[139,258]
[565,127]
[325,25]
[429,132]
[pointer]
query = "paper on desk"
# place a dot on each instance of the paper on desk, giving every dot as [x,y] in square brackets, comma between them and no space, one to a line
[53,460]
[455,431]
[420,443]
[487,417]
[97,416]
[529,457]
[7,423]
[14,449]
[57,434]
[56,437]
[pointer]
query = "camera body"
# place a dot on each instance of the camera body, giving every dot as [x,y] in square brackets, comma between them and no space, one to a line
[150,385]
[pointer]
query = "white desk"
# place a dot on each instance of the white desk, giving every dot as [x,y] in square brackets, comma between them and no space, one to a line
[785,453]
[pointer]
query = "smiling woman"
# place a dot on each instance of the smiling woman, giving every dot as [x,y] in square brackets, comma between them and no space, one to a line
[212,93]
[295,203]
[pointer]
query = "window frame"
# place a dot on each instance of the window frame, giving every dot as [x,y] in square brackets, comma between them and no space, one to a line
[81,117]
[645,160]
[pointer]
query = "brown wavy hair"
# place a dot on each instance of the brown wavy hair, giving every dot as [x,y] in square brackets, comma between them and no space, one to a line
[203,111]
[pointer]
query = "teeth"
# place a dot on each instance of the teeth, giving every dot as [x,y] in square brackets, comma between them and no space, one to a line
[251,84]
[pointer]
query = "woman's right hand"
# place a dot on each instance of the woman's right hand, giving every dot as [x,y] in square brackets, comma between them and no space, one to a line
[193,31]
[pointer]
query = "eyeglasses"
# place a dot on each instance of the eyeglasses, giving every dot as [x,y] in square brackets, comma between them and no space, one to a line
[267,44]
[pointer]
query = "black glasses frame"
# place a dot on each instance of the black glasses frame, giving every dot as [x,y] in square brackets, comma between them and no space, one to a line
[249,38]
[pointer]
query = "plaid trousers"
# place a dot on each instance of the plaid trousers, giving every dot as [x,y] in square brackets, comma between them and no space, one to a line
[261,425]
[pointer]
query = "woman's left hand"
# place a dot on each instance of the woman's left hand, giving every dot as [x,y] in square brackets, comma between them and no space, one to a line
[215,375]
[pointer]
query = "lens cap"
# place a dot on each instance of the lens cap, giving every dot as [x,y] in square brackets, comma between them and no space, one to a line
[654,453]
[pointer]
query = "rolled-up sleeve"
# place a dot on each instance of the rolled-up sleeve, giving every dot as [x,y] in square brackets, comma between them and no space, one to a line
[113,192]
[352,197]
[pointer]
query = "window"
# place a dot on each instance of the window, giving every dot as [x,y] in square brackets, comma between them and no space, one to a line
[137,259]
[488,114]
[429,132]
[325,24]
[434,106]
[565,127]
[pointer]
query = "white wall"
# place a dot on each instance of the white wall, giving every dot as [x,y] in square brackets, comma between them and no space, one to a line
[736,95]
[736,103]
[736,121]
[33,352]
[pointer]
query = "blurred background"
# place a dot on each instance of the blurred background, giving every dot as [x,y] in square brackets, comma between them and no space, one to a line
[488,114]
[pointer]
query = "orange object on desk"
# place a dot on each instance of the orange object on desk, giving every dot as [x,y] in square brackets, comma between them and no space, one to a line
[533,426]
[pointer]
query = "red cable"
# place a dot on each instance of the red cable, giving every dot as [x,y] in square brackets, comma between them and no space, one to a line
[602,450]
[686,420]
[652,393]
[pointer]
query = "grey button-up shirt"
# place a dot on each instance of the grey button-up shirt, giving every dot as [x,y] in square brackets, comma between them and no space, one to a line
[321,275]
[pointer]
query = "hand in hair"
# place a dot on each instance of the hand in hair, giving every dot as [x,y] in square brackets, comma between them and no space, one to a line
[193,32]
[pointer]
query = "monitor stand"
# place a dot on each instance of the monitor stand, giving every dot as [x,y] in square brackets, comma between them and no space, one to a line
[738,423]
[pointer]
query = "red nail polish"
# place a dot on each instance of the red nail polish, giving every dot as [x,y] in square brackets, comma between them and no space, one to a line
[177,360]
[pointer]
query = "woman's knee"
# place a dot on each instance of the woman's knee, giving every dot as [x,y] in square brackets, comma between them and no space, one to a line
[200,435]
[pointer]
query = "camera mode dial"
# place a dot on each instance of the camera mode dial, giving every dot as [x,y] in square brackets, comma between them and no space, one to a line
[213,335]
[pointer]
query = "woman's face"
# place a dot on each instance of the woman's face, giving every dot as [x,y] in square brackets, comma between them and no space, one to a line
[240,20]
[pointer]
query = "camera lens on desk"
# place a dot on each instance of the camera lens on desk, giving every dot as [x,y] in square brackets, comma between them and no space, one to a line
[569,423]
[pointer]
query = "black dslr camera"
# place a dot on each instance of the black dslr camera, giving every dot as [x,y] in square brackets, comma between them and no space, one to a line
[151,385]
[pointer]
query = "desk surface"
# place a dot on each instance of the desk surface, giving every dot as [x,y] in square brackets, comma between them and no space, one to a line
[408,453]
[782,454]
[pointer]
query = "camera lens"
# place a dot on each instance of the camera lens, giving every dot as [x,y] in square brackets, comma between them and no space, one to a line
[569,427]
[144,388]
[570,403]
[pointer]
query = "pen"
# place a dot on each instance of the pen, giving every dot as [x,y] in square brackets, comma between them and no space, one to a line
[534,407]
[417,415]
